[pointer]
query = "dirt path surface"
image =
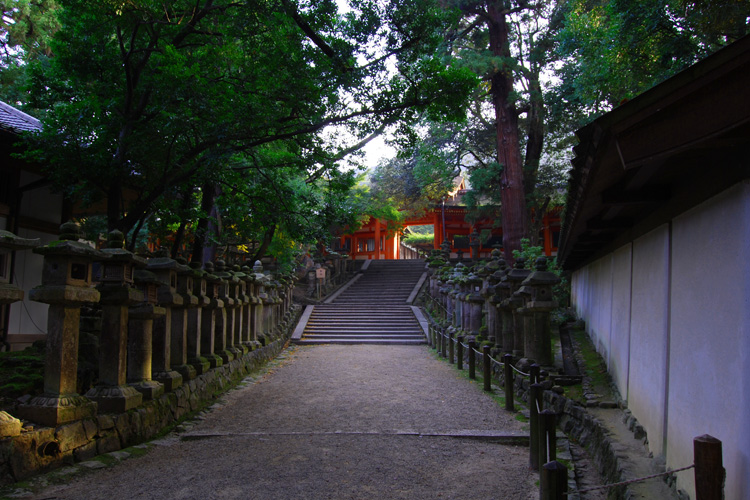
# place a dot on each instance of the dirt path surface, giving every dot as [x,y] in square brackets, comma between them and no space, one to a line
[332,422]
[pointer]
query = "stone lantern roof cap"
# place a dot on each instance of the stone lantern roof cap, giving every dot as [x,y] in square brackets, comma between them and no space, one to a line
[223,273]
[116,250]
[146,277]
[70,246]
[163,263]
[11,242]
[541,276]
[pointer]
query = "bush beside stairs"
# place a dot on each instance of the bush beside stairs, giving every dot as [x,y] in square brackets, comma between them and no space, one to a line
[375,308]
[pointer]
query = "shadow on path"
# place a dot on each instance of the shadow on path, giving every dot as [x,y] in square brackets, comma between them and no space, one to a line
[329,422]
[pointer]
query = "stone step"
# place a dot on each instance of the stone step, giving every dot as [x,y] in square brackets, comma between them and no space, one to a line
[373,310]
[332,340]
[413,330]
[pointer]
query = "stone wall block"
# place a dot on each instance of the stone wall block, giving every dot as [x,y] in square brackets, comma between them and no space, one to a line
[108,441]
[105,422]
[85,452]
[90,428]
[71,436]
[26,459]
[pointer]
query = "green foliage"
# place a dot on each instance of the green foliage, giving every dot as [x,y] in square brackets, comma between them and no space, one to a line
[22,372]
[151,103]
[419,239]
[561,291]
[613,50]
[25,32]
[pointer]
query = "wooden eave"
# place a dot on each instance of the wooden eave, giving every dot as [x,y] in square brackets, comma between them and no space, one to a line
[640,165]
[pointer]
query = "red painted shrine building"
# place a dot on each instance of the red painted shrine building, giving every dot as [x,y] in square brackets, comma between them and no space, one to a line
[381,239]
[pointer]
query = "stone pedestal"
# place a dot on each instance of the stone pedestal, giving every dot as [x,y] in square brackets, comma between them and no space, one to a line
[165,272]
[211,313]
[253,306]
[66,286]
[117,294]
[538,288]
[514,279]
[179,326]
[241,322]
[140,330]
[226,346]
[194,328]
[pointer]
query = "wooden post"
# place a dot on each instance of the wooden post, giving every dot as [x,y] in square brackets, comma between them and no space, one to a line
[451,349]
[534,371]
[535,398]
[553,481]
[443,345]
[460,352]
[547,437]
[508,372]
[709,469]
[472,361]
[487,365]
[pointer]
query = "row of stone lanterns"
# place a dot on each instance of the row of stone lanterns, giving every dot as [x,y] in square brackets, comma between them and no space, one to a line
[512,305]
[163,322]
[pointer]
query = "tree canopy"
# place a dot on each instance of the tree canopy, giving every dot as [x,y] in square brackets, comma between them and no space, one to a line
[152,102]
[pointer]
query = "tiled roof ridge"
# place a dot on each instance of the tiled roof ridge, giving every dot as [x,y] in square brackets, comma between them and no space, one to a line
[16,121]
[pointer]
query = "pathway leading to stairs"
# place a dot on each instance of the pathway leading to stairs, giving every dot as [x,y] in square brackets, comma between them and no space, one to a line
[331,422]
[374,308]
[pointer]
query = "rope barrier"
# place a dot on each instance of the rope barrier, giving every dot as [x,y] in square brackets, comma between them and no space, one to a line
[498,363]
[636,480]
[519,371]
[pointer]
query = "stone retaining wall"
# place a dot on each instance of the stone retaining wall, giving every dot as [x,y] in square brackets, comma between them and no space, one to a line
[46,448]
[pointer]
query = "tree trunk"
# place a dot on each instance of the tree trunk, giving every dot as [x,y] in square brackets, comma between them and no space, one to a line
[201,231]
[508,147]
[267,239]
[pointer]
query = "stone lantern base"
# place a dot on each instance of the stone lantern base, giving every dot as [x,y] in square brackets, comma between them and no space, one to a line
[150,389]
[171,379]
[54,410]
[115,398]
[188,372]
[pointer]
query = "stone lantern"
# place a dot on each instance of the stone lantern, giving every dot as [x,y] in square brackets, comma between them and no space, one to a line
[178,331]
[224,328]
[474,244]
[66,286]
[252,337]
[9,242]
[118,293]
[538,286]
[445,249]
[140,337]
[514,278]
[194,330]
[261,280]
[165,271]
[9,293]
[213,313]
[242,297]
[475,302]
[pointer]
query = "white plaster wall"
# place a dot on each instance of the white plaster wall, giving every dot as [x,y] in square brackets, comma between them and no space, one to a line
[647,385]
[600,287]
[709,328]
[28,317]
[619,355]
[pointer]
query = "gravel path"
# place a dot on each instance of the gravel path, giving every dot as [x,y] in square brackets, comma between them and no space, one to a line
[332,422]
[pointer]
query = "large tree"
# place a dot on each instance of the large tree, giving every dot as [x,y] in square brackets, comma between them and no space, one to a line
[150,98]
[510,45]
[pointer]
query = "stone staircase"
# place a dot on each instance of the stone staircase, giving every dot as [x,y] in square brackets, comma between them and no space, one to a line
[375,308]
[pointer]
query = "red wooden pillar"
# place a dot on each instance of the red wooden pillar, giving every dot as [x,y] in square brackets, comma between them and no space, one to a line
[547,235]
[377,238]
[437,230]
